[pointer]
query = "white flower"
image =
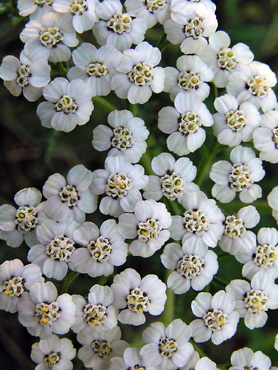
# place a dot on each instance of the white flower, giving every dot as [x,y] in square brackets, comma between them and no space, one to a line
[118,28]
[253,301]
[152,11]
[193,263]
[239,177]
[121,182]
[191,364]
[224,60]
[45,312]
[27,74]
[138,75]
[245,357]
[27,7]
[135,296]
[99,346]
[218,317]
[68,104]
[82,11]
[98,312]
[105,248]
[15,282]
[266,137]
[50,37]
[201,7]
[273,203]
[55,248]
[184,122]
[54,353]
[254,83]
[148,223]
[191,75]
[21,223]
[263,256]
[127,136]
[71,198]
[95,66]
[201,219]
[236,239]
[167,348]
[190,31]
[175,177]
[131,360]
[234,123]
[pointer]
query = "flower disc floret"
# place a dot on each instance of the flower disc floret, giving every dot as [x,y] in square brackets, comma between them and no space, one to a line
[43,2]
[226,59]
[14,287]
[96,69]
[148,230]
[60,248]
[94,314]
[50,37]
[122,138]
[265,256]
[154,5]
[141,74]
[69,195]
[256,301]
[26,219]
[101,348]
[258,86]
[234,227]
[189,80]
[78,6]
[100,249]
[196,221]
[46,313]
[167,347]
[23,74]
[190,265]
[172,185]
[215,319]
[193,28]
[137,301]
[236,120]
[189,123]
[66,104]
[118,185]
[240,177]
[120,23]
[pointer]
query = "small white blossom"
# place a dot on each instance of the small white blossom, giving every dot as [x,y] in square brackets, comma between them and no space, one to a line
[202,219]
[27,7]
[218,318]
[236,239]
[245,357]
[254,83]
[135,296]
[83,12]
[15,282]
[127,135]
[263,256]
[190,31]
[191,75]
[54,353]
[121,182]
[98,312]
[71,198]
[138,75]
[55,248]
[118,28]
[273,203]
[201,7]
[68,104]
[239,177]
[100,346]
[167,348]
[95,66]
[224,60]
[253,301]
[20,223]
[149,224]
[184,123]
[50,37]
[104,249]
[131,360]
[266,137]
[45,312]
[234,123]
[193,263]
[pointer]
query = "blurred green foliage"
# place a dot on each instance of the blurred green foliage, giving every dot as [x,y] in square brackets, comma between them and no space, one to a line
[30,153]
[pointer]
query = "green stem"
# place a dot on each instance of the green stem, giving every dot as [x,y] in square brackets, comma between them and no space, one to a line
[198,349]
[68,280]
[261,205]
[135,110]
[104,104]
[168,314]
[220,281]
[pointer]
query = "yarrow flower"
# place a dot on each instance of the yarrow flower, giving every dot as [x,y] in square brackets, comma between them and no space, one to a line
[201,7]
[253,301]
[167,348]
[245,357]
[127,135]
[272,201]
[139,75]
[71,198]
[68,104]
[27,7]
[149,224]
[54,353]
[174,177]
[193,263]
[218,318]
[15,283]
[18,224]
[239,177]
[135,296]
[121,182]
[131,360]
[184,122]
